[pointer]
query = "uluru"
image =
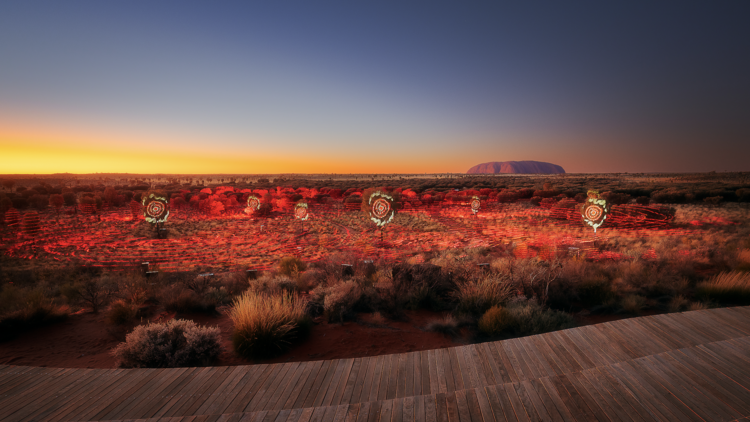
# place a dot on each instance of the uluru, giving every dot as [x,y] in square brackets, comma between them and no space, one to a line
[517,167]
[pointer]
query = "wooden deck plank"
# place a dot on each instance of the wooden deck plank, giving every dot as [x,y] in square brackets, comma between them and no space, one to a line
[566,361]
[572,347]
[464,408]
[372,382]
[327,388]
[384,376]
[598,399]
[277,373]
[408,410]
[341,411]
[533,400]
[722,387]
[249,388]
[364,367]
[386,411]
[678,324]
[402,375]
[688,398]
[502,409]
[612,351]
[43,385]
[543,366]
[541,393]
[283,398]
[141,396]
[551,391]
[434,378]
[451,406]
[420,408]
[276,389]
[622,395]
[441,408]
[484,404]
[236,391]
[109,395]
[394,378]
[573,401]
[230,381]
[546,353]
[662,397]
[299,395]
[352,412]
[519,367]
[481,367]
[450,369]
[397,414]
[727,364]
[418,376]
[340,383]
[71,392]
[442,377]
[592,350]
[424,382]
[702,398]
[192,391]
[611,336]
[660,330]
[317,384]
[499,370]
[644,337]
[175,381]
[535,367]
[518,409]
[356,374]
[410,367]
[208,392]
[374,413]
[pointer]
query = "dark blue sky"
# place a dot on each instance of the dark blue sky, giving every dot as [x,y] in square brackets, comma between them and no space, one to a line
[382,87]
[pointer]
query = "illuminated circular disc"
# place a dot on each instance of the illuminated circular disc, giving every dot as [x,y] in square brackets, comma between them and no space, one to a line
[380,208]
[594,210]
[475,204]
[253,202]
[155,208]
[300,211]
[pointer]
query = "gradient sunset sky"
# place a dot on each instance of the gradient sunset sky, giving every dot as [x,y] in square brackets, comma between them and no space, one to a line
[363,87]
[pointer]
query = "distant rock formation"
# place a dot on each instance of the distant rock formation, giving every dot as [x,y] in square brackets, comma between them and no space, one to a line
[518,167]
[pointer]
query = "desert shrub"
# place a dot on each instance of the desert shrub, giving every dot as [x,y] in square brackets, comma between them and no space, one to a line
[265,325]
[133,288]
[678,304]
[271,284]
[121,312]
[528,318]
[340,300]
[175,298]
[726,287]
[698,306]
[595,291]
[743,260]
[475,297]
[495,321]
[448,326]
[167,345]
[217,297]
[310,279]
[290,265]
[91,292]
[22,309]
[633,304]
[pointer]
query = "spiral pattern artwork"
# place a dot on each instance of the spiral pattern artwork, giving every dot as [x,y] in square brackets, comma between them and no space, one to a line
[381,208]
[253,204]
[300,211]
[594,210]
[155,208]
[475,204]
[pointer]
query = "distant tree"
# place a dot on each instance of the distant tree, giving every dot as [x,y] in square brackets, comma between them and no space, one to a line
[110,195]
[56,201]
[8,183]
[69,198]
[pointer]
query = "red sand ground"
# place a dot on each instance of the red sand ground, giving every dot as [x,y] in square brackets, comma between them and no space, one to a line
[84,340]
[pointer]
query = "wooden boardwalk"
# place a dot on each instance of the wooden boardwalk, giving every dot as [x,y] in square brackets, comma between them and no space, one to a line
[692,366]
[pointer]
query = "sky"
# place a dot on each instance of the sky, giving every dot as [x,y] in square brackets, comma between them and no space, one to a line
[372,87]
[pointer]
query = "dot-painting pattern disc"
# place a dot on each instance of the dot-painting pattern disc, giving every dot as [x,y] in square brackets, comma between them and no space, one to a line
[594,210]
[155,208]
[300,211]
[475,204]
[380,208]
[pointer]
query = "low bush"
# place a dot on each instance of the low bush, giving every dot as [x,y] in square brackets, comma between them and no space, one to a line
[448,326]
[291,266]
[177,299]
[24,309]
[726,287]
[633,304]
[176,343]
[495,321]
[341,299]
[475,297]
[121,312]
[523,318]
[265,325]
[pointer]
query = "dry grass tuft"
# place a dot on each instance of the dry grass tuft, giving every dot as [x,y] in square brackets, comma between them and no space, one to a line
[265,325]
[726,287]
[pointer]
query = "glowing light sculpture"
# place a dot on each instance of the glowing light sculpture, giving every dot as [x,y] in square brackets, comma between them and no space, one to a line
[155,208]
[300,211]
[476,204]
[382,210]
[253,204]
[594,210]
